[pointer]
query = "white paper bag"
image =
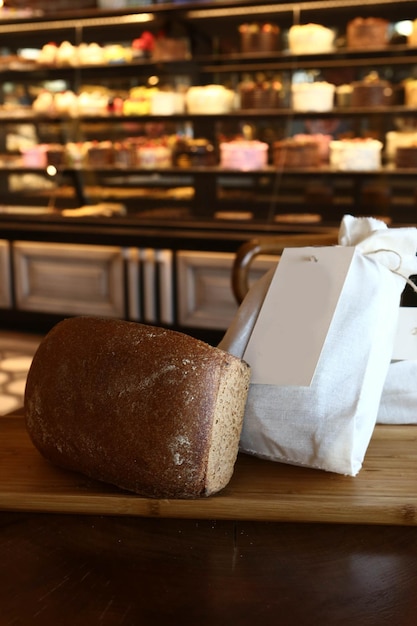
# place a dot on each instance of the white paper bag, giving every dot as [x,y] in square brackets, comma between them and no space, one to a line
[328,425]
[399,397]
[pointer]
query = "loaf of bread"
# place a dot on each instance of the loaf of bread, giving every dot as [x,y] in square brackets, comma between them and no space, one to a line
[150,410]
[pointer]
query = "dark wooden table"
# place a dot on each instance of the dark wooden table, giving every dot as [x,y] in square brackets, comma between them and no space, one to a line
[87,570]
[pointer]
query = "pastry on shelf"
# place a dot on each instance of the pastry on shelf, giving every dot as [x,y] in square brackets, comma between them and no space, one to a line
[410,92]
[139,101]
[47,54]
[262,94]
[367,32]
[56,155]
[44,103]
[209,99]
[395,139]
[124,154]
[412,36]
[91,54]
[66,102]
[244,155]
[94,102]
[310,39]
[296,152]
[321,139]
[100,154]
[117,53]
[406,156]
[35,156]
[154,155]
[166,102]
[344,95]
[193,153]
[170,49]
[313,96]
[67,54]
[357,154]
[371,92]
[256,37]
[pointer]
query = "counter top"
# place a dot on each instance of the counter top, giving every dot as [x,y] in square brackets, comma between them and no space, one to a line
[131,570]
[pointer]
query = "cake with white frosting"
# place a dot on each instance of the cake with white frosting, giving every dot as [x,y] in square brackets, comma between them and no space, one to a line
[356,154]
[316,96]
[243,155]
[310,39]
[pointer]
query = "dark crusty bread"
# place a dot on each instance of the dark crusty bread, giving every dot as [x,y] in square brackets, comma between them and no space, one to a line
[150,410]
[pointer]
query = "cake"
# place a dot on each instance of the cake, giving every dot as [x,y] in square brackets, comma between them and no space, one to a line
[243,154]
[310,39]
[44,103]
[113,53]
[56,154]
[260,95]
[124,154]
[154,156]
[410,92]
[257,37]
[294,153]
[355,154]
[211,99]
[91,54]
[193,153]
[100,154]
[412,37]
[169,49]
[47,54]
[398,139]
[344,95]
[167,103]
[322,140]
[368,32]
[76,153]
[406,156]
[371,92]
[67,54]
[35,156]
[316,96]
[139,101]
[66,102]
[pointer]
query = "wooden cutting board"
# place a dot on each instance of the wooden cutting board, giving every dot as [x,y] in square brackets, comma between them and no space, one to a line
[384,492]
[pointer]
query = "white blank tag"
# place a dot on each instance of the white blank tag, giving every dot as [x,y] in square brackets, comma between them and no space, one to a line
[405,346]
[289,334]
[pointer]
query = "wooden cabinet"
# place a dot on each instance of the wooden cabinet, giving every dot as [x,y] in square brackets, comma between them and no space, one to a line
[69,279]
[205,298]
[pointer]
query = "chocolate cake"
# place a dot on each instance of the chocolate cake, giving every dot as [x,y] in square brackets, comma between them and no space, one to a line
[368,32]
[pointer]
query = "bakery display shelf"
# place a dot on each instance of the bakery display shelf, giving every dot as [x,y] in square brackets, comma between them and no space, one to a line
[157,175]
[223,63]
[207,19]
[286,113]
[384,491]
[309,10]
[261,63]
[384,54]
[39,70]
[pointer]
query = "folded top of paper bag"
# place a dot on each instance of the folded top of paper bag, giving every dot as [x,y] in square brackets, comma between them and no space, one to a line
[396,248]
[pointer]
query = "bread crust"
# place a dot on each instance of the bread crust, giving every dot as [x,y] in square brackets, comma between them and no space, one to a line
[135,405]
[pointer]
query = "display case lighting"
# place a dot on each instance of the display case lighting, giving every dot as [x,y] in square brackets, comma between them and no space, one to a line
[260,9]
[118,20]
